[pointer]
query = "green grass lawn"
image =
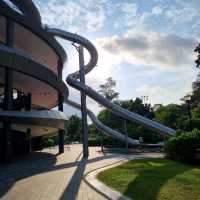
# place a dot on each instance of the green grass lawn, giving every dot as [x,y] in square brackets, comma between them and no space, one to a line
[154,179]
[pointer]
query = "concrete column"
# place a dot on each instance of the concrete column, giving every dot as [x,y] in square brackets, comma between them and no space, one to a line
[28,132]
[83,103]
[60,108]
[6,150]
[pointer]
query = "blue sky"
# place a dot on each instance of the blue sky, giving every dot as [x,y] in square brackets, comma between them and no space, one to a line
[146,46]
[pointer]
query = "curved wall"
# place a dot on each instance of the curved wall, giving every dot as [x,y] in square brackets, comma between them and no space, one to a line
[43,95]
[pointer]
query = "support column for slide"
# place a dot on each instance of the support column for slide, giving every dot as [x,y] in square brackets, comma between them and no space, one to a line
[126,134]
[60,108]
[83,103]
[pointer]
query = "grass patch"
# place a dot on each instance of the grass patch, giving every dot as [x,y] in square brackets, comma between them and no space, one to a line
[154,179]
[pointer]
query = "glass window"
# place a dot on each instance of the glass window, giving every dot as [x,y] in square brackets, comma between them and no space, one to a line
[2,29]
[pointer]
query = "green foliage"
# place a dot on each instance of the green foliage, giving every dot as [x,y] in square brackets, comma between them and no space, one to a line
[48,142]
[197,61]
[195,98]
[171,115]
[94,136]
[73,130]
[134,130]
[196,113]
[183,146]
[107,89]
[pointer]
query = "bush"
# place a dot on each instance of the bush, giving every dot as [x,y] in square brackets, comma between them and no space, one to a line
[48,142]
[183,146]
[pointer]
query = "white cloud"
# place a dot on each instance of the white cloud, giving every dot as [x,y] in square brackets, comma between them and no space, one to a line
[73,15]
[151,48]
[157,10]
[128,8]
[159,94]
[95,20]
[126,14]
[183,13]
[137,47]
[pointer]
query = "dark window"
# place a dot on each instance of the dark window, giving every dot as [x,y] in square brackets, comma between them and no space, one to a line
[2,29]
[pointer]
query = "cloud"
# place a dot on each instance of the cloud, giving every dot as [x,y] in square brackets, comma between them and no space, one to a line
[151,48]
[73,15]
[162,94]
[125,14]
[157,10]
[129,8]
[156,94]
[95,20]
[183,12]
[151,89]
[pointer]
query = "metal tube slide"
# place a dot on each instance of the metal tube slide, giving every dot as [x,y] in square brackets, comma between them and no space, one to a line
[72,80]
[153,125]
[100,126]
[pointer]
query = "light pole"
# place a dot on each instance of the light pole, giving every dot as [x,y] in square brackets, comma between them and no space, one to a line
[144,99]
[187,100]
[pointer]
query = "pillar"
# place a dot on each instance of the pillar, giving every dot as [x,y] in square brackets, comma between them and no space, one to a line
[60,108]
[28,131]
[5,145]
[83,103]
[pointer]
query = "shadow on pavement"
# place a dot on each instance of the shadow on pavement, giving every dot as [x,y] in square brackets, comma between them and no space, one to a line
[42,162]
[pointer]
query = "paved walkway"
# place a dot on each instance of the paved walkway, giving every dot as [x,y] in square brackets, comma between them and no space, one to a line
[48,176]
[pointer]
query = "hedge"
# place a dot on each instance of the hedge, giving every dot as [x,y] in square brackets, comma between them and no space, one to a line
[183,146]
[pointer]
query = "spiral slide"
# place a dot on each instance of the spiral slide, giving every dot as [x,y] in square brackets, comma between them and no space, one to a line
[13,59]
[72,80]
[31,84]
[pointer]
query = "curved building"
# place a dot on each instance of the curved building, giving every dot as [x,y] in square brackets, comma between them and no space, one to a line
[26,93]
[31,83]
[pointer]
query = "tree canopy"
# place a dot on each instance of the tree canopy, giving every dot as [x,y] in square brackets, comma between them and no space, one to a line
[107,89]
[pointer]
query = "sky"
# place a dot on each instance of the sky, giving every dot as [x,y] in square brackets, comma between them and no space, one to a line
[146,46]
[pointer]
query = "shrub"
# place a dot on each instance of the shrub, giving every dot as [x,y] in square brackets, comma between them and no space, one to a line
[183,146]
[48,142]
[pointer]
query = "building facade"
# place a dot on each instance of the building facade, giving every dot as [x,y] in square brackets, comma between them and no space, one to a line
[28,92]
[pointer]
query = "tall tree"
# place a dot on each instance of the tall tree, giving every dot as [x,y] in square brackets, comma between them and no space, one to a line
[172,115]
[134,130]
[108,89]
[197,50]
[195,98]
[73,133]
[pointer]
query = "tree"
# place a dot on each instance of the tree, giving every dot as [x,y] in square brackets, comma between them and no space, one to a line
[107,89]
[195,98]
[73,129]
[197,50]
[172,115]
[134,130]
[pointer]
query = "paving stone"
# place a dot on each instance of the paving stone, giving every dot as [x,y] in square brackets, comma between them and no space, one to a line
[47,176]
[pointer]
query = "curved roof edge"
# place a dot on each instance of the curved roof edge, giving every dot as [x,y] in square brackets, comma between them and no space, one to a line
[29,9]
[32,21]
